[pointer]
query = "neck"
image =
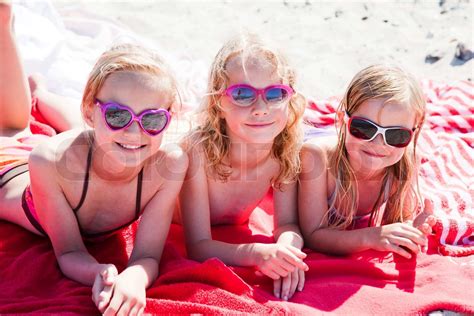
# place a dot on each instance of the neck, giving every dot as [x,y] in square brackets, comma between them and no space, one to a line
[245,155]
[109,171]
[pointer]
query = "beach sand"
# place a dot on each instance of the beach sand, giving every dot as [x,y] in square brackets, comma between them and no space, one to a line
[326,42]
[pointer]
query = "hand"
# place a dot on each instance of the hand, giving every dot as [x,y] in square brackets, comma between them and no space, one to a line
[425,220]
[278,260]
[103,286]
[128,297]
[284,288]
[398,238]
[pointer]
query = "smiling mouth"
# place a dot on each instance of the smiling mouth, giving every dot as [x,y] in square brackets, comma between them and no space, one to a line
[257,125]
[130,146]
[373,154]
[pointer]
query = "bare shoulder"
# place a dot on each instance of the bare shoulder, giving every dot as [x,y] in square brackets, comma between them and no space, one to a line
[57,149]
[175,156]
[318,149]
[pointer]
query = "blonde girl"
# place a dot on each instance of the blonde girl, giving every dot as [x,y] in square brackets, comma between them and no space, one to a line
[89,184]
[248,142]
[358,189]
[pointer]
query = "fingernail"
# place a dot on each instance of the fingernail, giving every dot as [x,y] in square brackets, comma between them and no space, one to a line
[300,289]
[285,298]
[277,295]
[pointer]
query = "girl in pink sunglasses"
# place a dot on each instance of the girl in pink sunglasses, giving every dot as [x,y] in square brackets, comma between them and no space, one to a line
[358,189]
[248,142]
[89,184]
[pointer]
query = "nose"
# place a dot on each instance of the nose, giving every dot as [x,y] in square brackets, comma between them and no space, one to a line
[134,128]
[378,140]
[260,107]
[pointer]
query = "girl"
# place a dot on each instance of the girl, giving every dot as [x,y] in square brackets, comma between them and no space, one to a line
[358,191]
[248,142]
[90,184]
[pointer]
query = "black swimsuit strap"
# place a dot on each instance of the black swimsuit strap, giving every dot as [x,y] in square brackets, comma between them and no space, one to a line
[139,194]
[86,182]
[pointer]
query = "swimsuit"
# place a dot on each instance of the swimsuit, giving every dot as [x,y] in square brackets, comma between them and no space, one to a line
[30,211]
[365,220]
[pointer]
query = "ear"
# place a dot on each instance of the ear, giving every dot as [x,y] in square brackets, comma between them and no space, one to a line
[339,118]
[88,115]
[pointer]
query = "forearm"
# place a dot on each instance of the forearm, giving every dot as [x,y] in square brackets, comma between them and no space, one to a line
[143,270]
[289,235]
[232,254]
[339,242]
[79,266]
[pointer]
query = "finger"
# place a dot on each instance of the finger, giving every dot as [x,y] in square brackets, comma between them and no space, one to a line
[412,233]
[270,273]
[301,280]
[405,242]
[399,250]
[297,252]
[425,228]
[428,207]
[285,287]
[284,264]
[114,305]
[124,309]
[277,288]
[294,260]
[294,283]
[431,220]
[109,274]
[279,270]
[104,298]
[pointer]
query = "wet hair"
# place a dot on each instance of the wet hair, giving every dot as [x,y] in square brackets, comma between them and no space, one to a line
[211,134]
[393,85]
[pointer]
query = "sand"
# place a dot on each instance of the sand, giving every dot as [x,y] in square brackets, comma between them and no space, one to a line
[326,42]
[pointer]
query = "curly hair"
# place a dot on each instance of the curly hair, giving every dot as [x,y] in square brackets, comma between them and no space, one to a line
[211,134]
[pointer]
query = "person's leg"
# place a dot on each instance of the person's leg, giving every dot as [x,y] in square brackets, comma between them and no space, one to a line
[15,98]
[61,112]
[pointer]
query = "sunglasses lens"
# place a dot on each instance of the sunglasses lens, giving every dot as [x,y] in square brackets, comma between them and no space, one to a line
[243,95]
[362,129]
[398,137]
[117,118]
[154,123]
[276,95]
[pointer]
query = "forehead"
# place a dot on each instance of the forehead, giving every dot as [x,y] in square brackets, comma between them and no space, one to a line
[387,113]
[137,89]
[257,71]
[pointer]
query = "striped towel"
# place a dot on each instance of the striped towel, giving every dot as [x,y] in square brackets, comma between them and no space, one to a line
[446,149]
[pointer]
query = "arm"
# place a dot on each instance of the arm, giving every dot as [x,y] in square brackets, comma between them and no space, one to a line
[195,212]
[286,216]
[58,219]
[129,295]
[313,207]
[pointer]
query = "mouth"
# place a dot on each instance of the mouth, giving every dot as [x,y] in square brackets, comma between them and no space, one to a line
[130,147]
[373,154]
[259,125]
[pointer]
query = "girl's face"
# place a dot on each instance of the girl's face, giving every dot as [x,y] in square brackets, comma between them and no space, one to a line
[130,146]
[259,122]
[369,157]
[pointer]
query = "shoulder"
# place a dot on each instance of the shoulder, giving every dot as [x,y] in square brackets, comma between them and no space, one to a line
[175,156]
[57,149]
[318,149]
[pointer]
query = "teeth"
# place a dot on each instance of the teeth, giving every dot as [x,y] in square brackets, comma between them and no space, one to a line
[130,146]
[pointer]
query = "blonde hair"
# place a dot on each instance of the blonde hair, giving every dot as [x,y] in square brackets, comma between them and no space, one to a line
[127,57]
[392,85]
[211,135]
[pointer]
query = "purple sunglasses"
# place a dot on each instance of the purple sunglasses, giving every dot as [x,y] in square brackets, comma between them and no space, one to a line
[245,95]
[118,116]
